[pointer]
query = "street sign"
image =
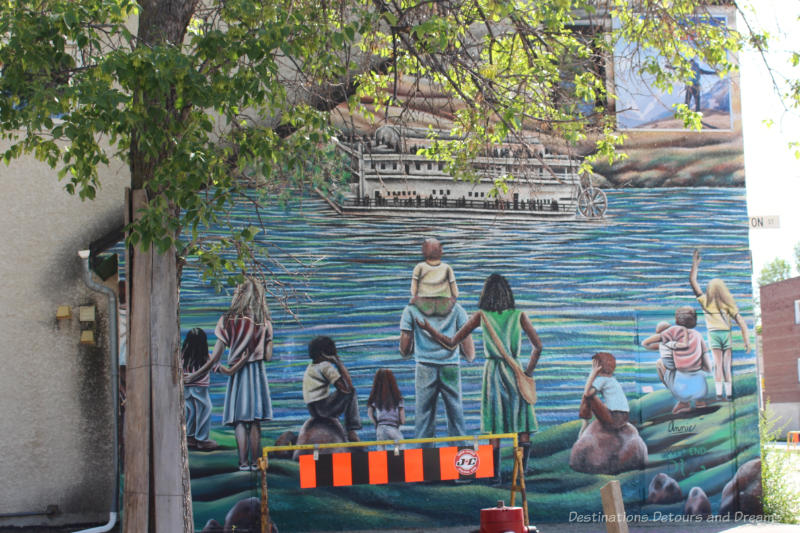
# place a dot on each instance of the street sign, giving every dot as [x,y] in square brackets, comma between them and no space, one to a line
[771,221]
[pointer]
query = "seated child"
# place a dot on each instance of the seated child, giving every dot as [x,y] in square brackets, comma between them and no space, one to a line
[326,369]
[433,283]
[385,406]
[613,411]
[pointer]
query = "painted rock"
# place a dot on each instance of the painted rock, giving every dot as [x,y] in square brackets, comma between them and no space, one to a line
[697,503]
[212,526]
[664,489]
[245,515]
[600,450]
[287,438]
[743,491]
[321,431]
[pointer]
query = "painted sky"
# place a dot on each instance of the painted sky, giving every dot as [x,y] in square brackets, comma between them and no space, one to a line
[773,171]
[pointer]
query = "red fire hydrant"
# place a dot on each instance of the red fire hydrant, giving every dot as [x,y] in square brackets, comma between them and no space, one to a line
[502,519]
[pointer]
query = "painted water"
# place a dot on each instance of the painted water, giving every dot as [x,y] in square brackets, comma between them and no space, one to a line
[586,285]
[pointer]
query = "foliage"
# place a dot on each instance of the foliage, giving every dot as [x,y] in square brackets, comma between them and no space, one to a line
[201,122]
[212,101]
[779,269]
[797,257]
[781,498]
[776,270]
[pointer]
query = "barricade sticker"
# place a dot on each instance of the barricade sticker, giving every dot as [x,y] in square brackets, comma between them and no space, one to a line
[467,461]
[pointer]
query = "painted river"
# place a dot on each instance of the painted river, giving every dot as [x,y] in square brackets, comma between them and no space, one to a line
[587,286]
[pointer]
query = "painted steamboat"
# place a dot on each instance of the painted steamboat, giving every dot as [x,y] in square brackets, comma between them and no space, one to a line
[389,178]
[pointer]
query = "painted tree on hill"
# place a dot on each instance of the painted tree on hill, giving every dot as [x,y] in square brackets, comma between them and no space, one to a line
[211,101]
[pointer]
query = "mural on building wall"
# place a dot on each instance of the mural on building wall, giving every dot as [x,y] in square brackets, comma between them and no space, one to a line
[567,293]
[642,106]
[435,309]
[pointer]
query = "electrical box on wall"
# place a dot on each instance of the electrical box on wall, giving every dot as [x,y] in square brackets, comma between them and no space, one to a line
[87,337]
[86,313]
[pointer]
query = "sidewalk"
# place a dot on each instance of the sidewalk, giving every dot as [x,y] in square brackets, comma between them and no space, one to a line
[674,527]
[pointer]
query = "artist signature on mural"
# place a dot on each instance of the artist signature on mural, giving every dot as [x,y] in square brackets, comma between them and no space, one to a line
[680,428]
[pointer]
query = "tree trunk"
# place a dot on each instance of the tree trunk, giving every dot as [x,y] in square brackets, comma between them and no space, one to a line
[161,22]
[157,490]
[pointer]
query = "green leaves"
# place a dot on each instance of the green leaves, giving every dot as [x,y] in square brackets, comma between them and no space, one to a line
[244,106]
[776,270]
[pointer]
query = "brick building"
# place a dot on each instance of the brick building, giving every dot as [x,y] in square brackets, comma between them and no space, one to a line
[780,318]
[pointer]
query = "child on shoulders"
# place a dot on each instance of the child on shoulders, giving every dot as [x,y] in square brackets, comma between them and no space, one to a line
[433,283]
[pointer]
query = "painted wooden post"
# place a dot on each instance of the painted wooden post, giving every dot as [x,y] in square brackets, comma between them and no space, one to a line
[518,483]
[166,379]
[614,508]
[266,523]
[157,491]
[137,409]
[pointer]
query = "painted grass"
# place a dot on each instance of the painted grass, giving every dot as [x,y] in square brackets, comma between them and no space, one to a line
[707,456]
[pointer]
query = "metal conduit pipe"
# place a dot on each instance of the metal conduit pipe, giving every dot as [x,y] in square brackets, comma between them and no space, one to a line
[113,342]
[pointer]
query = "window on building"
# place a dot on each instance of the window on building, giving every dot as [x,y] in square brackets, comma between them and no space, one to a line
[797,311]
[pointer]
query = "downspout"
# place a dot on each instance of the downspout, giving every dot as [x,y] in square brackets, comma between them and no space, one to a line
[113,343]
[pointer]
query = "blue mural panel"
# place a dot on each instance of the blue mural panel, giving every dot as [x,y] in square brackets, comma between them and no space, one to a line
[641,105]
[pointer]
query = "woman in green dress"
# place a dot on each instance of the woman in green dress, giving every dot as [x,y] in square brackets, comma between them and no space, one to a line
[503,407]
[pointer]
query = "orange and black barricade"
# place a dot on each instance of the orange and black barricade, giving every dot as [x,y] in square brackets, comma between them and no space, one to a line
[407,466]
[357,467]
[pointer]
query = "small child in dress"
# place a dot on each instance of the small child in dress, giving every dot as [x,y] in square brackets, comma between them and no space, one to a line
[385,406]
[194,354]
[433,283]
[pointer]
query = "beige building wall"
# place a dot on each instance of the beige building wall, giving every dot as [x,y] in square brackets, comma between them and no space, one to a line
[56,424]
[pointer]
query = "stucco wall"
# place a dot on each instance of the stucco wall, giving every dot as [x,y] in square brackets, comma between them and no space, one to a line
[55,430]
